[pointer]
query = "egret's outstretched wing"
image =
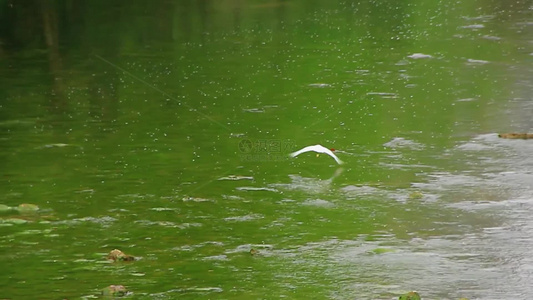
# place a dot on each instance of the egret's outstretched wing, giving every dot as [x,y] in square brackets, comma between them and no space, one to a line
[306,149]
[318,149]
[330,153]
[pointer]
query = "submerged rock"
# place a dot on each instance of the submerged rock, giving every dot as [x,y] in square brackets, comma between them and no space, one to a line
[27,208]
[236,177]
[419,56]
[513,135]
[117,255]
[381,251]
[114,291]
[319,85]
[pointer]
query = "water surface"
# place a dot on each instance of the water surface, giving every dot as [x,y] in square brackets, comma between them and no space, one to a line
[163,129]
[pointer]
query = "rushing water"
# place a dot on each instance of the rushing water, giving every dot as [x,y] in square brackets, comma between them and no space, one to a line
[163,129]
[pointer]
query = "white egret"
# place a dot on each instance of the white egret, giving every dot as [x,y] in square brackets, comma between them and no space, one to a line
[317,149]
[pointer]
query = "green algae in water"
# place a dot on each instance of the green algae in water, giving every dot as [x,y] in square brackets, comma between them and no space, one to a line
[410,296]
[15,221]
[416,195]
[381,250]
[4,208]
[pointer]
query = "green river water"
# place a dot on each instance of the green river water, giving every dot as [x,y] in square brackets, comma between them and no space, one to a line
[163,129]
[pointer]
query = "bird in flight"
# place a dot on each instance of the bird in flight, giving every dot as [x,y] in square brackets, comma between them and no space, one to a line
[317,149]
